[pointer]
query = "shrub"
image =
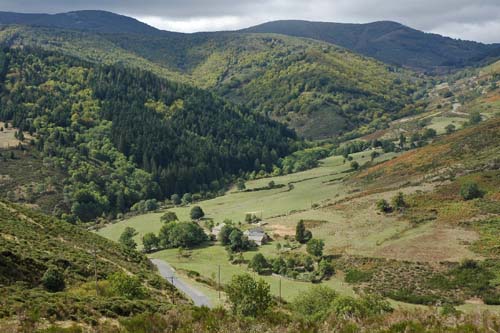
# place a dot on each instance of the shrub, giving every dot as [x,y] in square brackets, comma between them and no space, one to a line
[354,165]
[383,206]
[398,202]
[470,190]
[357,276]
[126,286]
[53,279]
[315,303]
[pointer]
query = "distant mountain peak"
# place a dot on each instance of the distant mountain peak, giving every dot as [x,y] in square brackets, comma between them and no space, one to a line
[390,42]
[89,20]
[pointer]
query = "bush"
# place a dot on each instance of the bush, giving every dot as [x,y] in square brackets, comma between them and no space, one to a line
[126,286]
[354,165]
[357,276]
[383,206]
[53,279]
[315,303]
[470,190]
[398,202]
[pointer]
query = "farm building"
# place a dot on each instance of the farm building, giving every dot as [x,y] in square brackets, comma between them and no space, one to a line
[258,235]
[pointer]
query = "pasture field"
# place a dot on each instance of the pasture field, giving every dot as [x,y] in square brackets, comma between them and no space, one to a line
[207,260]
[315,186]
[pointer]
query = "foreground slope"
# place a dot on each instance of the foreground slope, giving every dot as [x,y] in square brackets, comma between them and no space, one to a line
[390,42]
[31,244]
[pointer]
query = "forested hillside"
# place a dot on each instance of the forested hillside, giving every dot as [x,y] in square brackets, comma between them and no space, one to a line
[316,88]
[390,42]
[126,135]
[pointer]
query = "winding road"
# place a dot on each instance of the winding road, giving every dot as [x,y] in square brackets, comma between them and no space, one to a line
[168,272]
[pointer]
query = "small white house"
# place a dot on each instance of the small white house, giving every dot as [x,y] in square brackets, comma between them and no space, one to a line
[258,235]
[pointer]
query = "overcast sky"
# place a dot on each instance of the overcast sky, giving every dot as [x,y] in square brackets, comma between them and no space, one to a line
[466,19]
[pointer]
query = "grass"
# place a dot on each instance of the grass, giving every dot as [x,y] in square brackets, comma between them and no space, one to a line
[310,187]
[207,261]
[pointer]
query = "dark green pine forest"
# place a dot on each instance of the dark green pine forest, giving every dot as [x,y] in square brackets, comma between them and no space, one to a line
[125,135]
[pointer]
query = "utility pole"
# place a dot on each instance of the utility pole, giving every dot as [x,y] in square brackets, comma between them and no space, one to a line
[219,282]
[173,297]
[95,272]
[280,289]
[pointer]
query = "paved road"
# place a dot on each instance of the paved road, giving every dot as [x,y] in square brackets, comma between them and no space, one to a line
[168,272]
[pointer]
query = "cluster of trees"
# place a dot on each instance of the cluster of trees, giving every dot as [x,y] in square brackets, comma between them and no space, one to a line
[173,234]
[179,234]
[234,240]
[293,265]
[125,135]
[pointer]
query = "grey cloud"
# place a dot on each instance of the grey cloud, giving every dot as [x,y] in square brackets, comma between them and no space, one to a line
[477,20]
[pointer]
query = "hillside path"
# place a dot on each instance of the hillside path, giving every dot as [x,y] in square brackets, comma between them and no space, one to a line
[168,272]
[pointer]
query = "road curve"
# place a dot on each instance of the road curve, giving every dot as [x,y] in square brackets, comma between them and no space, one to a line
[168,272]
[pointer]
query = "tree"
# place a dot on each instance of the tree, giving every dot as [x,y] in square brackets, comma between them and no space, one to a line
[53,279]
[224,234]
[181,234]
[126,286]
[240,185]
[127,238]
[315,247]
[271,184]
[450,128]
[176,199]
[150,241]
[197,213]
[258,263]
[187,198]
[470,190]
[374,154]
[429,133]
[302,235]
[475,118]
[354,165]
[402,141]
[247,296]
[169,217]
[325,268]
[279,266]
[398,202]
